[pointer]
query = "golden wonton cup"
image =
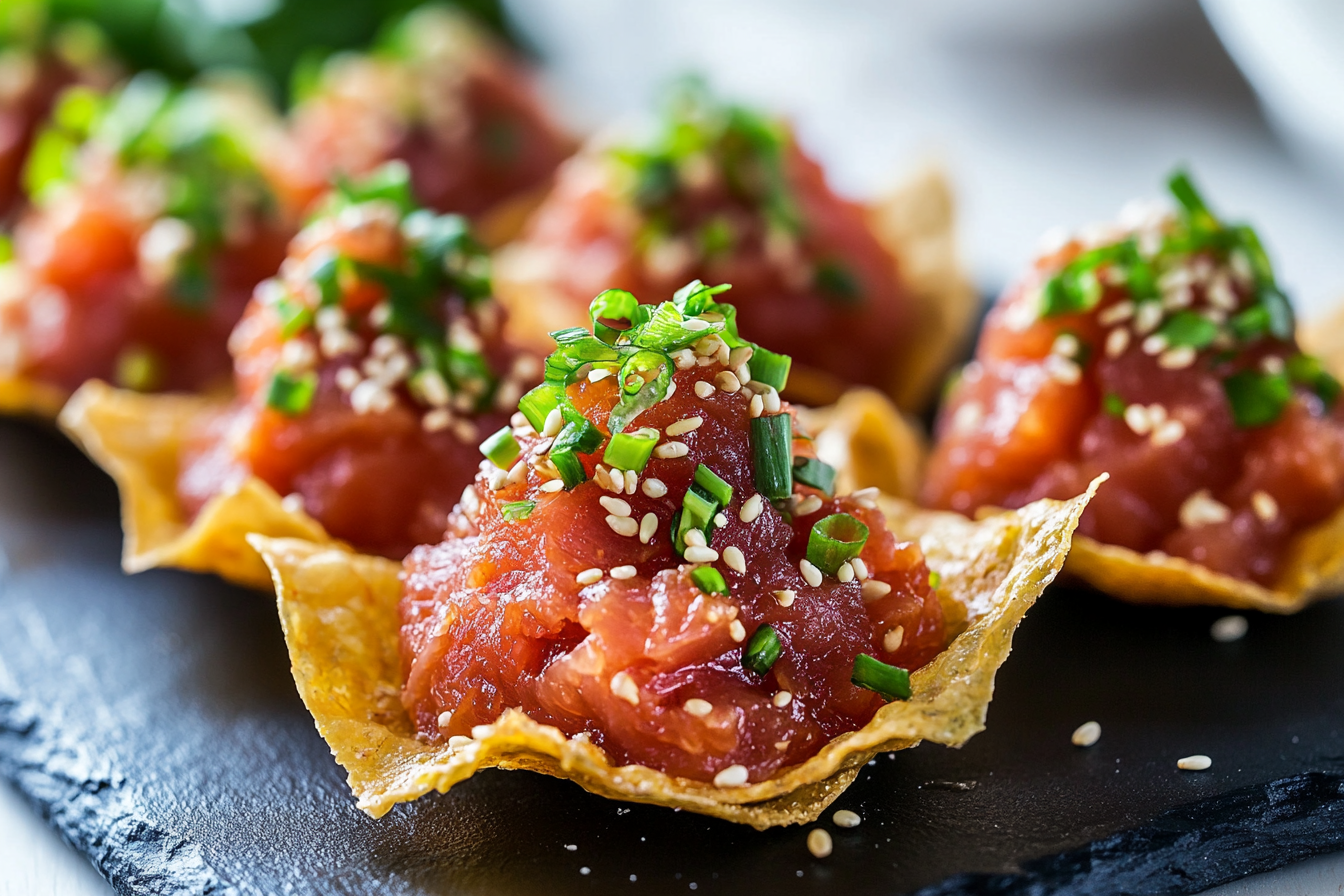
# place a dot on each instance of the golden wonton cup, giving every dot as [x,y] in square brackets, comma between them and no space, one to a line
[138,440]
[870,443]
[339,612]
[916,223]
[25,397]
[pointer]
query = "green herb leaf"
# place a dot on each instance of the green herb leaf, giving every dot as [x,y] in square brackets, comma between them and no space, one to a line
[291,394]
[1113,404]
[1189,328]
[762,650]
[1257,398]
[891,682]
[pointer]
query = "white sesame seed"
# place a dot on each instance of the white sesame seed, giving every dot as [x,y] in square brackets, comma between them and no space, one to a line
[470,501]
[1086,734]
[615,505]
[334,343]
[844,818]
[704,389]
[875,588]
[598,374]
[819,843]
[892,640]
[732,776]
[743,374]
[734,559]
[1177,358]
[555,421]
[444,719]
[1272,365]
[1220,295]
[1196,763]
[1178,298]
[496,478]
[623,572]
[696,538]
[615,481]
[809,505]
[860,568]
[519,420]
[727,381]
[1147,317]
[1227,629]
[623,686]
[720,520]
[552,485]
[589,576]
[681,427]
[695,324]
[811,574]
[1168,433]
[697,707]
[785,597]
[458,741]
[772,401]
[465,430]
[347,378]
[1201,509]
[697,554]
[1265,507]
[292,503]
[751,508]
[739,356]
[1154,344]
[1066,344]
[518,473]
[544,445]
[684,358]
[623,525]
[671,390]
[647,527]
[722,354]
[1116,342]
[845,572]
[371,397]
[756,407]
[1136,418]
[737,631]
[1062,370]
[671,449]
[1114,314]
[631,481]
[782,698]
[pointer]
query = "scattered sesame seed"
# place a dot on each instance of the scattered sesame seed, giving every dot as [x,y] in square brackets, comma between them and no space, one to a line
[1272,365]
[1177,358]
[517,473]
[1265,507]
[555,421]
[1066,344]
[552,485]
[734,559]
[598,374]
[1147,317]
[809,505]
[1086,734]
[727,381]
[697,707]
[1220,295]
[720,520]
[697,554]
[671,449]
[875,588]
[771,401]
[681,427]
[860,568]
[782,698]
[819,843]
[785,597]
[696,538]
[846,572]
[751,508]
[1201,509]
[444,719]
[740,355]
[1116,342]
[585,870]
[756,407]
[1155,344]
[292,503]
[647,527]
[1168,433]
[623,572]
[844,818]
[1227,629]
[623,686]
[737,631]
[458,741]
[1196,763]
[891,641]
[1062,370]
[811,574]
[732,776]
[704,389]
[589,576]
[615,505]
[781,745]
[1114,314]
[685,359]
[695,324]
[623,525]
[631,481]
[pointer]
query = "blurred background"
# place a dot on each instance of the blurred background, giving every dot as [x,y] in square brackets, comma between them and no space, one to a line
[1045,113]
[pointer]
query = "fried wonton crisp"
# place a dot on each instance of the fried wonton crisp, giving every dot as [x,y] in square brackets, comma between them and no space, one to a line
[25,397]
[340,617]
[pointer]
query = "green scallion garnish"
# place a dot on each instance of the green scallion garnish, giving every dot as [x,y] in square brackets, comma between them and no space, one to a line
[890,682]
[501,448]
[762,650]
[294,316]
[516,511]
[770,368]
[834,540]
[772,452]
[697,512]
[1113,404]
[1308,371]
[578,437]
[291,394]
[709,580]
[837,282]
[631,450]
[935,580]
[815,473]
[1257,398]
[537,405]
[1189,328]
[712,486]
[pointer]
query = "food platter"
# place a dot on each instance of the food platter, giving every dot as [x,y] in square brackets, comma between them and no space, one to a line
[152,719]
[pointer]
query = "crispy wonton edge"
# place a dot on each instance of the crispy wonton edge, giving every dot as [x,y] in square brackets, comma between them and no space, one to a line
[138,439]
[915,223]
[870,443]
[340,618]
[25,397]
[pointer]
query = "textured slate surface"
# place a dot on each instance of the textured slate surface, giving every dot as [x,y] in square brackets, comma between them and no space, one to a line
[153,721]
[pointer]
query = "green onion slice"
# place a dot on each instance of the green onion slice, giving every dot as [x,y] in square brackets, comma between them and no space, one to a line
[1257,398]
[770,368]
[834,540]
[1308,371]
[935,580]
[631,450]
[515,511]
[697,512]
[1189,328]
[291,394]
[762,650]
[578,437]
[709,580]
[891,682]
[537,404]
[639,392]
[709,483]
[1113,404]
[294,316]
[815,473]
[501,448]
[772,451]
[613,304]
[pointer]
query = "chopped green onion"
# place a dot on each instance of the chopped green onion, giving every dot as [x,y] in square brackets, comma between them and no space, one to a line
[294,316]
[697,512]
[578,437]
[1308,371]
[515,511]
[762,650]
[1113,404]
[818,474]
[835,281]
[1189,328]
[772,451]
[1257,398]
[139,369]
[1281,320]
[891,682]
[834,540]
[501,448]
[708,483]
[326,278]
[289,394]
[1250,324]
[709,580]
[537,404]
[612,304]
[935,580]
[770,368]
[1196,210]
[631,450]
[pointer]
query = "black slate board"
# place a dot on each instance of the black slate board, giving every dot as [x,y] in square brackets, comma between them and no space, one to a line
[153,720]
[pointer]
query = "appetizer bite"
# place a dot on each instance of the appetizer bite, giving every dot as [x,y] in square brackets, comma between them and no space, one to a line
[149,228]
[367,373]
[653,590]
[1162,351]
[723,193]
[444,96]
